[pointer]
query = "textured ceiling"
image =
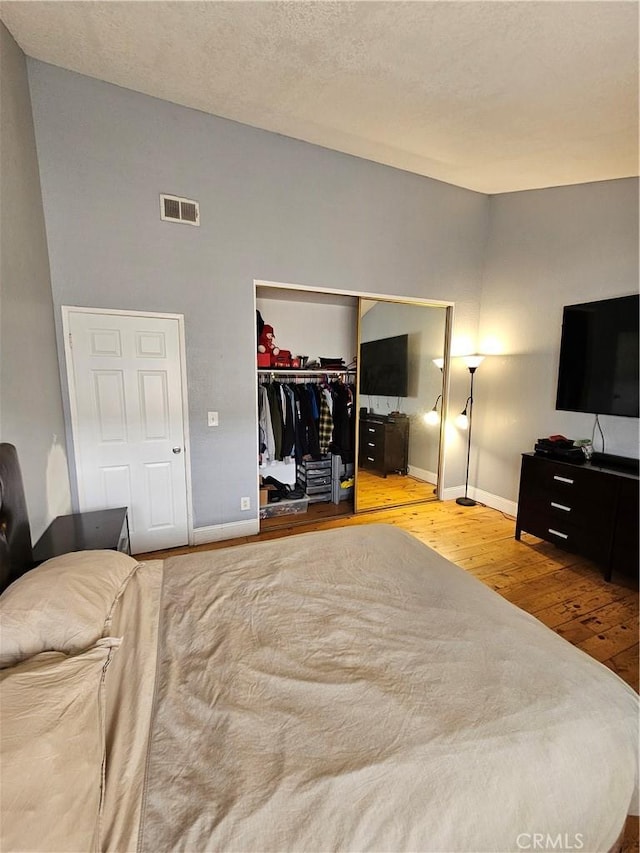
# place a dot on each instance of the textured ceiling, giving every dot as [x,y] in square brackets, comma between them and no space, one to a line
[494,96]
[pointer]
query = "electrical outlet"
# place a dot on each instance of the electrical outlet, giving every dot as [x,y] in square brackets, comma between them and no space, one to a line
[212,419]
[245,503]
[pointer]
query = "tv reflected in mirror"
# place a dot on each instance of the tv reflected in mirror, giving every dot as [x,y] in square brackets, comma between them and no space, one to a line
[384,367]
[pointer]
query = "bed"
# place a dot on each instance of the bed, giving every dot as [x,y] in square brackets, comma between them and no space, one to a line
[345,690]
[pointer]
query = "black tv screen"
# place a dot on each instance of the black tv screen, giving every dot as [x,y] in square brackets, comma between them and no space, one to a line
[598,371]
[383,367]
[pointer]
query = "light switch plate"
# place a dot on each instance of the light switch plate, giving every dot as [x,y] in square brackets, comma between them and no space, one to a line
[212,418]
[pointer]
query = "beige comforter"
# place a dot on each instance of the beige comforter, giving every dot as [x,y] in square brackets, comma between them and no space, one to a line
[352,690]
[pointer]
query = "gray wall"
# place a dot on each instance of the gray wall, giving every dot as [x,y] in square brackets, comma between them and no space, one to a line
[30,400]
[271,208]
[546,249]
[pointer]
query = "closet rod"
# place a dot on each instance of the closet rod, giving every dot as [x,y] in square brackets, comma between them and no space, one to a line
[264,371]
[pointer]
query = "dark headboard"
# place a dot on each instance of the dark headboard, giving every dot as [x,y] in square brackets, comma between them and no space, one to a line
[15,534]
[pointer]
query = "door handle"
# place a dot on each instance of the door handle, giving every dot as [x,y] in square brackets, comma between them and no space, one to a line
[177,450]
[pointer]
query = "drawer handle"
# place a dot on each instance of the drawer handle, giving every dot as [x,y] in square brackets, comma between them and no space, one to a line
[563,479]
[557,533]
[371,444]
[561,506]
[371,459]
[371,430]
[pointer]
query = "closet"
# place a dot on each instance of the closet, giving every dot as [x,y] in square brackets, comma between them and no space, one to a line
[306,440]
[323,333]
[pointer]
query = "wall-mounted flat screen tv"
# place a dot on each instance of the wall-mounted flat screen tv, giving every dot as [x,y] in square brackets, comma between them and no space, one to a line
[598,370]
[384,367]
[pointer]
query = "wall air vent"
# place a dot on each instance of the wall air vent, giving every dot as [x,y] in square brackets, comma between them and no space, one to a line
[173,208]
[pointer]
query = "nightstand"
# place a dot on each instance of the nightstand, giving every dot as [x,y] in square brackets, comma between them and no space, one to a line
[104,529]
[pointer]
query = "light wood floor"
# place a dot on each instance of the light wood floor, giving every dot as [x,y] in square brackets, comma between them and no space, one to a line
[375,492]
[565,592]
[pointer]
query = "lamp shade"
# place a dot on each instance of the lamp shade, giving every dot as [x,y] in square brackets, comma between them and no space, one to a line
[473,361]
[432,418]
[439,362]
[462,420]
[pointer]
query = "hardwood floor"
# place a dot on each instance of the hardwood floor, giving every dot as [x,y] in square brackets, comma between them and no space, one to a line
[564,591]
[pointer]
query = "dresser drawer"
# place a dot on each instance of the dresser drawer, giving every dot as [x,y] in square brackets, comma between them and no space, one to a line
[589,540]
[580,510]
[370,444]
[372,431]
[370,457]
[569,488]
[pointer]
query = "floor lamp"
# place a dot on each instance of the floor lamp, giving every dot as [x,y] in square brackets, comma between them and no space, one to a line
[464,421]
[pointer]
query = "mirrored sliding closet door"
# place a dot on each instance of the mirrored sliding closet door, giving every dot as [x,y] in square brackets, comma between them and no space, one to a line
[399,402]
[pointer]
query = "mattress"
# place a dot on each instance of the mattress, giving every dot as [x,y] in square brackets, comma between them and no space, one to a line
[349,690]
[353,690]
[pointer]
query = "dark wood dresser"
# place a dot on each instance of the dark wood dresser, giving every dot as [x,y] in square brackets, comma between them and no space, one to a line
[384,444]
[589,509]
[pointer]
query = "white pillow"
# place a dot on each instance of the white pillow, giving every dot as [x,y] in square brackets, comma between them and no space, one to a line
[52,748]
[64,605]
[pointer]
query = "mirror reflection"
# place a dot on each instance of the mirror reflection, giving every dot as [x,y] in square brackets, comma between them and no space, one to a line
[399,389]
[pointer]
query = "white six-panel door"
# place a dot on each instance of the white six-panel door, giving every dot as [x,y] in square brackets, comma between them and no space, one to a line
[126,395]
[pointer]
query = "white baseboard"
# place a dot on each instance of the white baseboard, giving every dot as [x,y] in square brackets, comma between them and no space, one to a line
[487,498]
[452,493]
[422,474]
[494,501]
[231,530]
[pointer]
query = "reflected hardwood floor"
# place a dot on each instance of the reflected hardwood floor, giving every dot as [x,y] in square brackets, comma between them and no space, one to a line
[375,492]
[567,593]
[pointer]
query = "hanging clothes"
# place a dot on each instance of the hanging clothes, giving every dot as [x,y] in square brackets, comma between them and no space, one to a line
[306,420]
[267,446]
[325,425]
[275,406]
[289,427]
[343,441]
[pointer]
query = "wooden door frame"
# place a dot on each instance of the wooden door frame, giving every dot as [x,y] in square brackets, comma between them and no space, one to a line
[381,297]
[67,310]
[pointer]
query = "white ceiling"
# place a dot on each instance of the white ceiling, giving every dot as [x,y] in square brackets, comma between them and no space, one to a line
[494,96]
